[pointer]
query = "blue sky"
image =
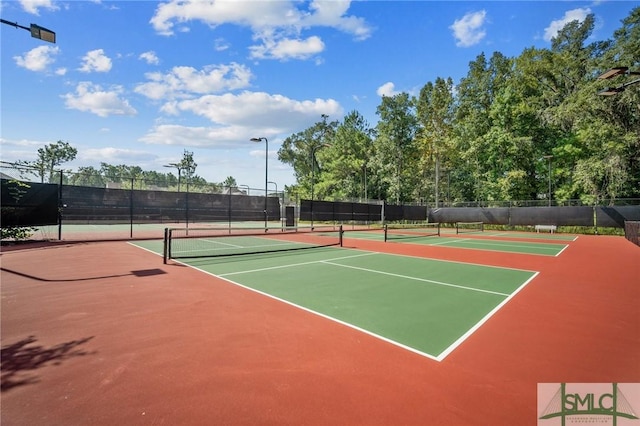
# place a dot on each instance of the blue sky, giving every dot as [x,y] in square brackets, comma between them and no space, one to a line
[138,82]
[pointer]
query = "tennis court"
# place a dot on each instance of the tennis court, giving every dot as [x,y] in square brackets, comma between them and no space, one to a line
[478,240]
[427,306]
[364,333]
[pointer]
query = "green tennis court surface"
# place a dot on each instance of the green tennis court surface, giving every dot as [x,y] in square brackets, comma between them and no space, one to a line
[426,306]
[460,241]
[521,235]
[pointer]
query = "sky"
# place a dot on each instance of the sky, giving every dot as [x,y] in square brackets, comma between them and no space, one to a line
[140,82]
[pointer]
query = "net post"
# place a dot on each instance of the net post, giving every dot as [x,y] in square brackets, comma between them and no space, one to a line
[341,233]
[165,246]
[438,226]
[386,227]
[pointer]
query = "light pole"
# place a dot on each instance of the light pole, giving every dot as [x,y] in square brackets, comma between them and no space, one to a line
[36,31]
[614,72]
[548,158]
[179,167]
[266,175]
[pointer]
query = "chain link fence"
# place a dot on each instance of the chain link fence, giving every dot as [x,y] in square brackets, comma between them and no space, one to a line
[91,206]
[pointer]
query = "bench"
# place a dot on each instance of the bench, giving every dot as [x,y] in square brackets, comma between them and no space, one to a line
[550,228]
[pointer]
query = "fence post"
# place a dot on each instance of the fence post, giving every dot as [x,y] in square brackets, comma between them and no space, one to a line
[60,206]
[131,210]
[229,208]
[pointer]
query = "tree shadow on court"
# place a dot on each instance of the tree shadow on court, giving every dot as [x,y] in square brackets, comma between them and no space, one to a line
[18,360]
[139,273]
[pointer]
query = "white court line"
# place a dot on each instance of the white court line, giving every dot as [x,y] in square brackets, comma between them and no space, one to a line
[563,249]
[439,358]
[325,316]
[479,324]
[215,242]
[418,279]
[448,244]
[294,264]
[501,244]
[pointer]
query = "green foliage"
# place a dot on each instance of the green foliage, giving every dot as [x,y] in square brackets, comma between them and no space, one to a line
[16,233]
[52,156]
[484,138]
[489,136]
[16,190]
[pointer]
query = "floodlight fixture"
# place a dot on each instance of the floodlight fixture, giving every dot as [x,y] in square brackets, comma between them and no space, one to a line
[610,91]
[42,33]
[613,72]
[36,31]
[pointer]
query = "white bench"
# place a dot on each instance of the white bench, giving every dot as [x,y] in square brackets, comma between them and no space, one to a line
[550,228]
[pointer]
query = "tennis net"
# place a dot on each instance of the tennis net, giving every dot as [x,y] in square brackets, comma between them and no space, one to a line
[400,231]
[185,243]
[463,227]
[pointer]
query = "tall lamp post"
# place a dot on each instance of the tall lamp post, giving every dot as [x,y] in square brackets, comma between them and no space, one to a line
[614,72]
[266,175]
[548,158]
[36,31]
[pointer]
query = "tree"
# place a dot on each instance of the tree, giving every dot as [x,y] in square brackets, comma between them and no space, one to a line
[436,114]
[347,158]
[302,150]
[187,165]
[396,153]
[230,182]
[51,156]
[87,176]
[480,162]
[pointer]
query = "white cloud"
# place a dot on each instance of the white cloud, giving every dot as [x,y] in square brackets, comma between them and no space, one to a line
[150,57]
[288,48]
[38,58]
[388,89]
[571,15]
[32,6]
[220,44]
[112,155]
[95,60]
[277,24]
[204,137]
[468,30]
[20,149]
[183,81]
[237,118]
[259,109]
[332,14]
[92,98]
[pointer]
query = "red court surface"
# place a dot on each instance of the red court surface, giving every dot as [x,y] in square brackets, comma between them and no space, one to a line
[105,334]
